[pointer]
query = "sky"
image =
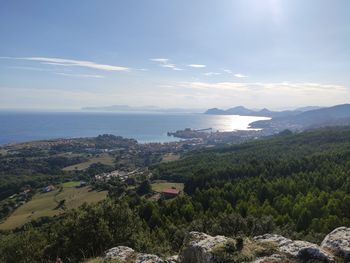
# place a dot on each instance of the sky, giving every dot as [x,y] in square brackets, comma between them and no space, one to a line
[278,54]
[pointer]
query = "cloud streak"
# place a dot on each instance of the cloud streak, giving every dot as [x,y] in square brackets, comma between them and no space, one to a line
[80,75]
[265,94]
[71,63]
[238,75]
[260,86]
[196,66]
[212,74]
[164,63]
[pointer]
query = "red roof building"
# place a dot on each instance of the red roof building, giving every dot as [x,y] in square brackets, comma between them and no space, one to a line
[170,192]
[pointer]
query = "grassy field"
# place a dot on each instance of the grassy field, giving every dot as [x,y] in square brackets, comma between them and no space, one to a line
[160,186]
[170,157]
[70,184]
[102,158]
[45,204]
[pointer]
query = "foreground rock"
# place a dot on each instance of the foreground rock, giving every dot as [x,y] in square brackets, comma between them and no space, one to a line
[298,249]
[338,242]
[121,253]
[202,248]
[274,258]
[126,254]
[198,247]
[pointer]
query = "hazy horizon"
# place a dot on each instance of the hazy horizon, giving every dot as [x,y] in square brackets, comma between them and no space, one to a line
[176,54]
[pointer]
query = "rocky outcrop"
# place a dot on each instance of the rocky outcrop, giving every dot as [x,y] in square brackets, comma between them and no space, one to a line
[338,242]
[198,248]
[269,248]
[297,248]
[121,253]
[126,254]
[274,258]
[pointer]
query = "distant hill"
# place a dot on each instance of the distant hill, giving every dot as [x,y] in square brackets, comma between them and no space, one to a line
[240,110]
[322,115]
[331,116]
[308,108]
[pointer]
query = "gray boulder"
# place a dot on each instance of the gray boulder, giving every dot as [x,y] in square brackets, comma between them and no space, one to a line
[275,258]
[126,254]
[297,248]
[120,253]
[148,258]
[338,242]
[172,259]
[197,248]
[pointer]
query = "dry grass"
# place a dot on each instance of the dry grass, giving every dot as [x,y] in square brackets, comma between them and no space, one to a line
[160,186]
[251,250]
[45,205]
[170,157]
[102,158]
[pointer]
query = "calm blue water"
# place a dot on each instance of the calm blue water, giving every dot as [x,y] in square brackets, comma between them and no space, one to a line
[21,126]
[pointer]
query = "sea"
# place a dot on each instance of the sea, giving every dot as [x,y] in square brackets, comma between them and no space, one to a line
[18,127]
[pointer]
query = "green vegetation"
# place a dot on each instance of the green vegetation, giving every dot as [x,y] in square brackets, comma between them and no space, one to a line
[160,186]
[297,185]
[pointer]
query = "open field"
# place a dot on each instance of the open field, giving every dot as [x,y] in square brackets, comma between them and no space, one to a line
[75,197]
[70,184]
[45,204]
[170,157]
[102,158]
[160,186]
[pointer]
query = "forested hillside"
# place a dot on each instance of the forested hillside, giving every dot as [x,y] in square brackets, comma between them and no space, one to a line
[297,185]
[302,181]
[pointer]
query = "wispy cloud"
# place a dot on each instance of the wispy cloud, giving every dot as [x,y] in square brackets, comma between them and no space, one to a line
[212,73]
[196,66]
[164,62]
[259,86]
[238,75]
[161,60]
[72,63]
[80,75]
[263,94]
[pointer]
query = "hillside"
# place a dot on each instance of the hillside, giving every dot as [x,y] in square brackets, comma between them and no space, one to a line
[331,116]
[294,185]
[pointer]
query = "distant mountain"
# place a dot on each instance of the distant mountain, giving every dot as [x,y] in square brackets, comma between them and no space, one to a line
[330,116]
[127,108]
[240,110]
[308,108]
[215,111]
[322,115]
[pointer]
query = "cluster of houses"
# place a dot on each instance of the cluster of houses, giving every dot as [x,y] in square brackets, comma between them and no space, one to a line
[122,175]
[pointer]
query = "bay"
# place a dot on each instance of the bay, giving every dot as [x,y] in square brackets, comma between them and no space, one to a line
[144,127]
